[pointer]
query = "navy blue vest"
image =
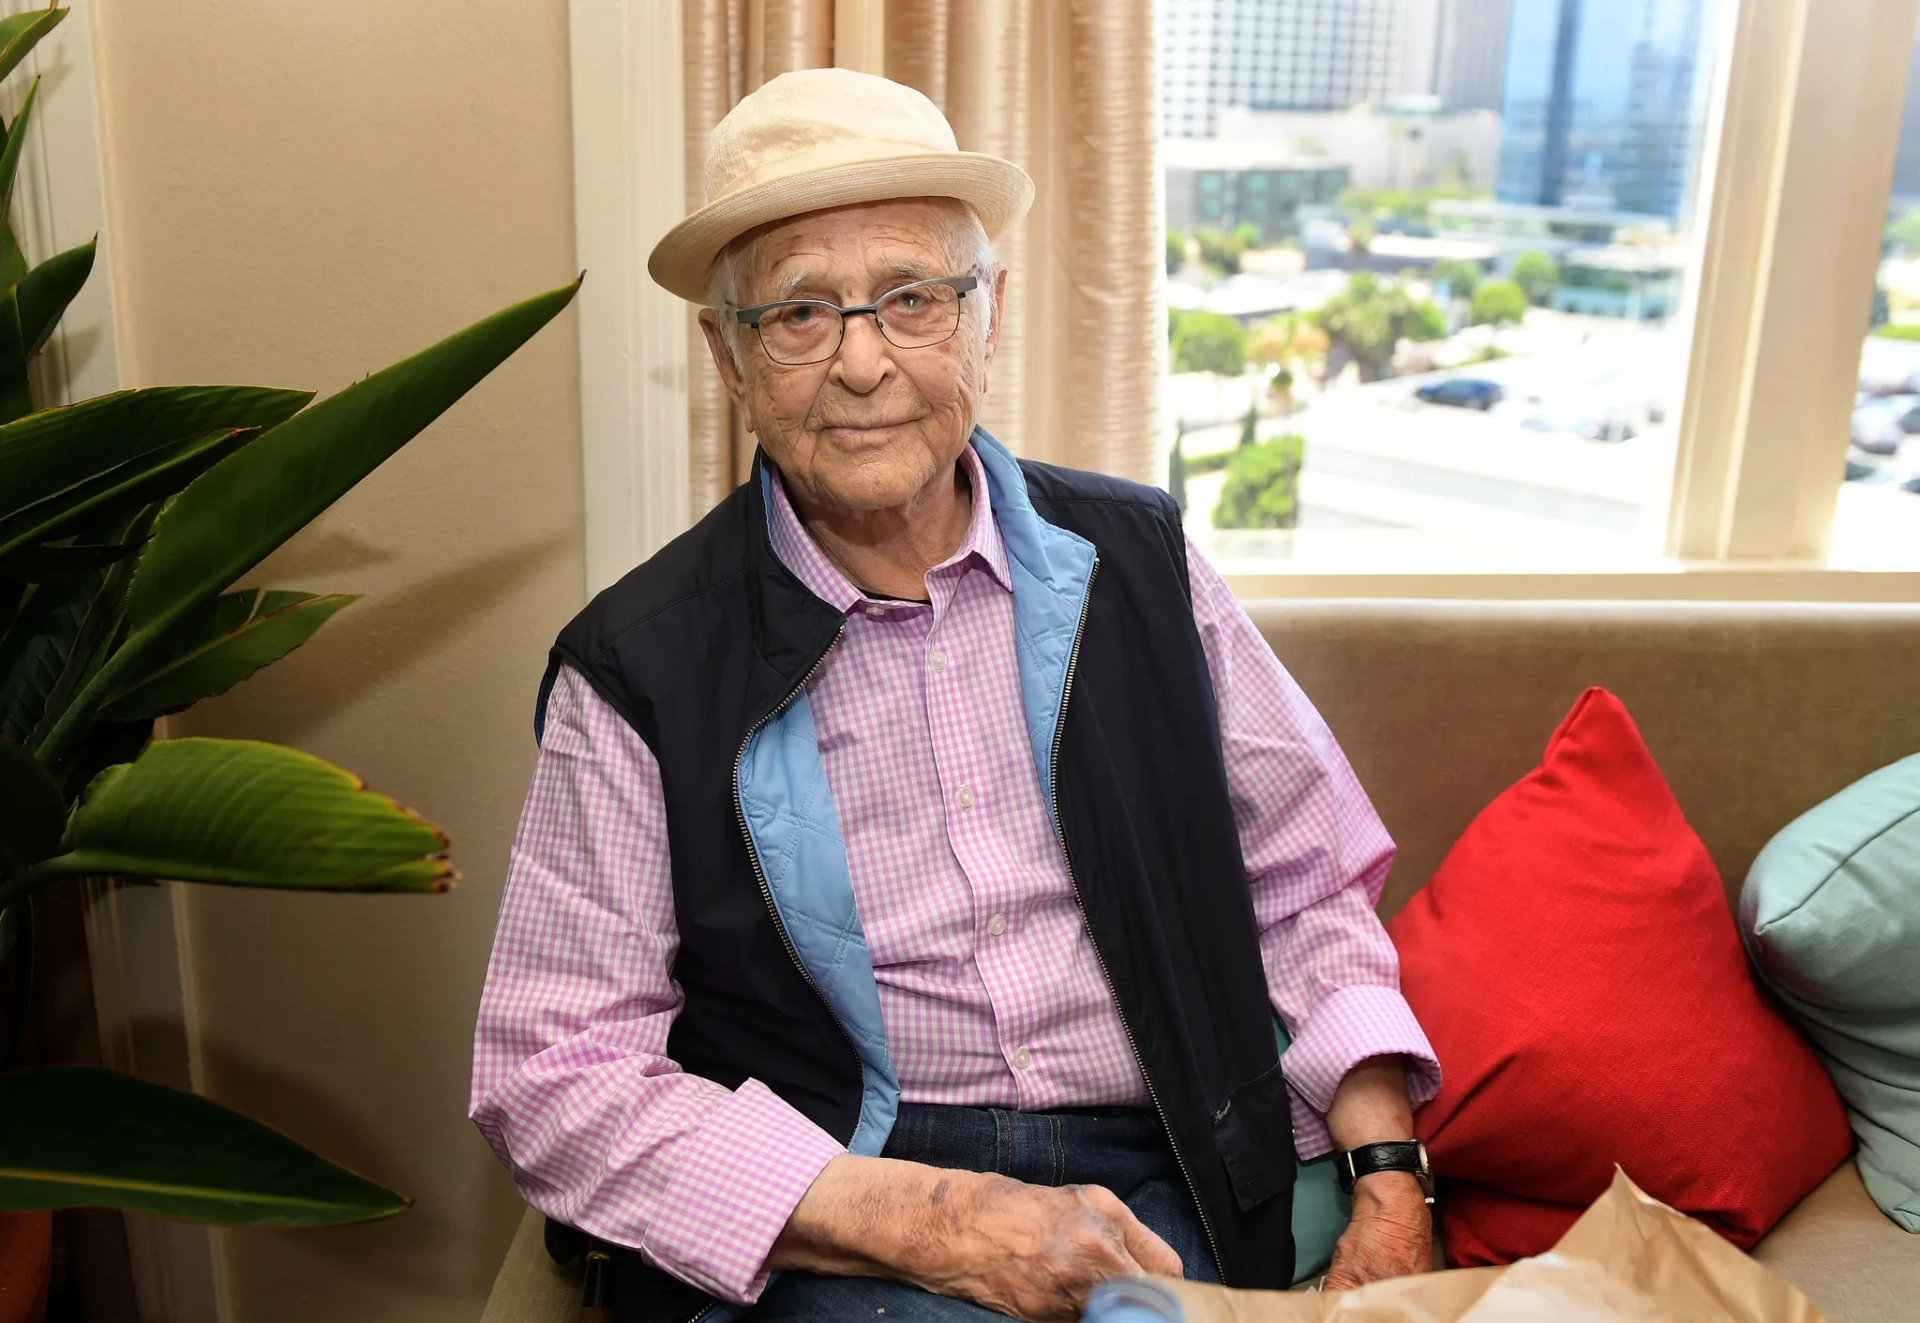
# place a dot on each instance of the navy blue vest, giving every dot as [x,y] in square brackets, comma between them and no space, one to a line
[706,649]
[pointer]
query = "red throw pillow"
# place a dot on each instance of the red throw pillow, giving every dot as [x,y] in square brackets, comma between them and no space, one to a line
[1575,965]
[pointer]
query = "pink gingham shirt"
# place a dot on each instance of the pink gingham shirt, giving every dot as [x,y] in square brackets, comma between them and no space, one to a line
[989,985]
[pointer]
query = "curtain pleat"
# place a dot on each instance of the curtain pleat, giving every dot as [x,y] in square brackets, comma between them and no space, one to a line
[713,36]
[1067,89]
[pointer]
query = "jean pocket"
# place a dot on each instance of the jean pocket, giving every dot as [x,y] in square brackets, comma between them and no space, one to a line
[1253,1132]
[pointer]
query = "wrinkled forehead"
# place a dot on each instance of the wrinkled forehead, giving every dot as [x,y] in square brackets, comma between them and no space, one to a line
[850,253]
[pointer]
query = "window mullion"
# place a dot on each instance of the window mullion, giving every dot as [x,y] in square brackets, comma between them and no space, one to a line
[1797,197]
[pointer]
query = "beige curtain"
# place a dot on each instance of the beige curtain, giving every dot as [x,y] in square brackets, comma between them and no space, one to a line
[1066,88]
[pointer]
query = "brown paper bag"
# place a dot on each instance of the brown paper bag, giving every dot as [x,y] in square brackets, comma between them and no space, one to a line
[1629,1259]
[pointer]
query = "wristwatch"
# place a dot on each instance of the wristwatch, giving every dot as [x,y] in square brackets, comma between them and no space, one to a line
[1408,1155]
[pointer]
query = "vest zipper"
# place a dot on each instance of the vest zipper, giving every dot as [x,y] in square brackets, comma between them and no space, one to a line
[753,854]
[1059,733]
[766,892]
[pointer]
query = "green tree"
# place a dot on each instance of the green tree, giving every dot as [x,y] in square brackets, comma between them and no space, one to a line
[1209,342]
[1903,232]
[1250,425]
[1461,278]
[1537,274]
[1411,206]
[1498,302]
[1221,251]
[1176,251]
[1370,317]
[1263,485]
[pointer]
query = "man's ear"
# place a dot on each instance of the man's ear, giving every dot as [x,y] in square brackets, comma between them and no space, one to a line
[723,360]
[999,311]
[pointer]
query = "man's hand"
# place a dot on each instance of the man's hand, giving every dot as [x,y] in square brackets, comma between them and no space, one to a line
[1391,1234]
[1025,1250]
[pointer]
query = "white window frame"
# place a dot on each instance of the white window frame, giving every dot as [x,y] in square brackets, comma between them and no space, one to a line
[1796,173]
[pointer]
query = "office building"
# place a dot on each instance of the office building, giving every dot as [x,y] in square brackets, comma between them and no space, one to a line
[1470,64]
[1223,184]
[1281,55]
[1603,104]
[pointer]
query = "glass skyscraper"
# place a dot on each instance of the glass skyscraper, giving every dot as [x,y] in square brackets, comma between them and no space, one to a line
[1604,103]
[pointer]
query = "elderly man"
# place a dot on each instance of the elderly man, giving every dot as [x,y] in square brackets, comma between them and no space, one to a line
[922,848]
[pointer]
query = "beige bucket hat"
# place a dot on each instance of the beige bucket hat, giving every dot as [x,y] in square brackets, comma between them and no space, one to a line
[818,138]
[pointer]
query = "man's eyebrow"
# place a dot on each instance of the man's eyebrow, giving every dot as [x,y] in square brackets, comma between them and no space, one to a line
[810,284]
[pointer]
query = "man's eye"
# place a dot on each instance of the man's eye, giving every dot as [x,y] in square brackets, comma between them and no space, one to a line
[911,300]
[801,315]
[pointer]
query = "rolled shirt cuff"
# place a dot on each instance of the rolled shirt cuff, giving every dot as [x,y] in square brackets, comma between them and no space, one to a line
[732,1191]
[1350,1025]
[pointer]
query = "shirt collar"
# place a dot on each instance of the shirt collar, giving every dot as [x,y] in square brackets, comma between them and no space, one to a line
[801,554]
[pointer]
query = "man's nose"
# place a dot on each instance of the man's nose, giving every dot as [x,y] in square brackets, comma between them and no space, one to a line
[865,357]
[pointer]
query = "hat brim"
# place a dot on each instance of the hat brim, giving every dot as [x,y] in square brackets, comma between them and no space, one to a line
[998,191]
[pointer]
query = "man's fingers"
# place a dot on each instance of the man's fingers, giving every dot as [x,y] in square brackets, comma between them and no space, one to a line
[1147,1250]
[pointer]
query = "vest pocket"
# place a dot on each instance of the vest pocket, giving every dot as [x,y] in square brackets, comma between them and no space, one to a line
[1253,1131]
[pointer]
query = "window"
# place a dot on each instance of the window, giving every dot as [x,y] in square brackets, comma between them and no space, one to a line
[1877,515]
[1579,302]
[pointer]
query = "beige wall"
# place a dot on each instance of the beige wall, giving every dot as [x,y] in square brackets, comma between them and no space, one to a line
[303,191]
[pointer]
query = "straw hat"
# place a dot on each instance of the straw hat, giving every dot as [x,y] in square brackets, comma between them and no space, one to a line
[817,138]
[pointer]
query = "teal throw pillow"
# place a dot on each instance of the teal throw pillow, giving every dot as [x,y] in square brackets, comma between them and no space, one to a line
[1831,919]
[1320,1211]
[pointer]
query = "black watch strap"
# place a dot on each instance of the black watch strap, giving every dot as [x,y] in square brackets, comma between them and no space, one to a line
[1408,1155]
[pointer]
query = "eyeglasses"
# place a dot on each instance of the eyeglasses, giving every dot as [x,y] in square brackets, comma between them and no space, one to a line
[797,332]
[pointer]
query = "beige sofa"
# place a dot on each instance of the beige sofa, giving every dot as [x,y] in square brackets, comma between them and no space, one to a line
[1756,712]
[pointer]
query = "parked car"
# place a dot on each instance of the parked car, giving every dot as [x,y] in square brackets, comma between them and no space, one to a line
[1462,393]
[1877,429]
[1588,426]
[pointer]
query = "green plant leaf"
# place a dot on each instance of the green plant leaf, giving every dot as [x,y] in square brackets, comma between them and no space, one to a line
[16,396]
[15,265]
[32,811]
[20,33]
[140,481]
[237,512]
[79,1136]
[48,452]
[246,814]
[54,564]
[46,291]
[241,509]
[97,630]
[213,651]
[35,650]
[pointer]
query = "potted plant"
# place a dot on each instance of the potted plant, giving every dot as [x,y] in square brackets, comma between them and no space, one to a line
[125,522]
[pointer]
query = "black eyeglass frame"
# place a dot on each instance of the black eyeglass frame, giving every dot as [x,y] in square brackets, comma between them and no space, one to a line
[960,285]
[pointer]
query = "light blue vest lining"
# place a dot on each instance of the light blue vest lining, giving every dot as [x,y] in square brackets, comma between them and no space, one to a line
[790,811]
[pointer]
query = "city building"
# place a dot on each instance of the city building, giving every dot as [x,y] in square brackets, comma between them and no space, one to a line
[1225,183]
[1612,263]
[1283,55]
[1470,62]
[1906,160]
[1603,103]
[1406,143]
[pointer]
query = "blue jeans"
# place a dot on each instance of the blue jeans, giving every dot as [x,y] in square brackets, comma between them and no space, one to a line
[1121,1148]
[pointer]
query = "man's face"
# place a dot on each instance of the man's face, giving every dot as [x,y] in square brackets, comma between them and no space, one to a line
[873,426]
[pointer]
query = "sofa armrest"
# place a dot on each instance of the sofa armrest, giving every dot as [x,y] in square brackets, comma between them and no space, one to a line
[530,1287]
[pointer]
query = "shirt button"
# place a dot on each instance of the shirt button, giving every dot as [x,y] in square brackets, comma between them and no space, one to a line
[876,612]
[1022,1059]
[937,659]
[997,924]
[965,797]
